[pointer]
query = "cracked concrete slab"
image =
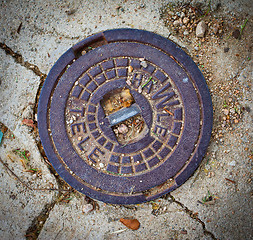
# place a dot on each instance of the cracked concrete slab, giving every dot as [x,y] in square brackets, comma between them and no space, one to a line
[230,210]
[47,34]
[33,36]
[228,161]
[19,87]
[68,222]
[18,203]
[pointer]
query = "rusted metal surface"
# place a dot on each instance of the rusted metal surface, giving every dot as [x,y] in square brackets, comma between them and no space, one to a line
[170,95]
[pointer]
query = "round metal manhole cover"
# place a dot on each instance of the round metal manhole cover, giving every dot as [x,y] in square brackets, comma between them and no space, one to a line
[125,116]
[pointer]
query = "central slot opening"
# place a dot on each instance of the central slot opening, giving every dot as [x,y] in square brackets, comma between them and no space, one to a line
[116,100]
[124,116]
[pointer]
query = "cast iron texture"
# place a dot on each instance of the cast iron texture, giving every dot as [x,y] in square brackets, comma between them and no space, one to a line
[170,95]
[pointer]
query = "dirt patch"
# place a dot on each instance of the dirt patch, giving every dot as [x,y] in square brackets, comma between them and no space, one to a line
[226,37]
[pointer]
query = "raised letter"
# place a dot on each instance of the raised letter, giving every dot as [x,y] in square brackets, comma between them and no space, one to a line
[77,125]
[95,154]
[166,95]
[160,130]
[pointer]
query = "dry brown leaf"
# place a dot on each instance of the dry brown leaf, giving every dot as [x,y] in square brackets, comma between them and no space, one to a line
[133,224]
[127,103]
[28,122]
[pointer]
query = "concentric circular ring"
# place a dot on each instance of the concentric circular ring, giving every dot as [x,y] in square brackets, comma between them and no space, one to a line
[169,94]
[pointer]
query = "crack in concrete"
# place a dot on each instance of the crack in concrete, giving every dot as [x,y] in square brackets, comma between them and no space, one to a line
[35,69]
[19,59]
[59,231]
[193,216]
[38,222]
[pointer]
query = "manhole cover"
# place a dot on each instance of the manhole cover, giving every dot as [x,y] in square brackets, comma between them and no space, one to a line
[125,116]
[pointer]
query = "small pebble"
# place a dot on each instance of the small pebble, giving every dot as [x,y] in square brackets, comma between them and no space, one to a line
[70,11]
[87,208]
[232,110]
[186,20]
[144,64]
[215,30]
[226,111]
[176,23]
[201,29]
[232,163]
[123,128]
[236,33]
[186,33]
[226,50]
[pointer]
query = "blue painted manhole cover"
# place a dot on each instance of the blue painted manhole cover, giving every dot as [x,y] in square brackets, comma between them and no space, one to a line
[125,116]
